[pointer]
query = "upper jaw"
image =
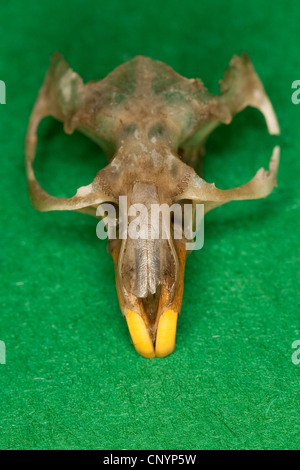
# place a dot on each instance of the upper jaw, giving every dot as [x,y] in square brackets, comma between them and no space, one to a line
[153,333]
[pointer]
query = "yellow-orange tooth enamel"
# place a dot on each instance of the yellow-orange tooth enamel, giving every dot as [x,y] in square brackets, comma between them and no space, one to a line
[139,334]
[166,333]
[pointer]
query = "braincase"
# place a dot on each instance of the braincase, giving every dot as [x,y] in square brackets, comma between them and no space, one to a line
[142,91]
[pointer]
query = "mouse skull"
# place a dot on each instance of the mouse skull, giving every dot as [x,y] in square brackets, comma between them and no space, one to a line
[152,124]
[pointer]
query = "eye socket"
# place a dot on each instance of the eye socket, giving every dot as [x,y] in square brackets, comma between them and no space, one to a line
[64,163]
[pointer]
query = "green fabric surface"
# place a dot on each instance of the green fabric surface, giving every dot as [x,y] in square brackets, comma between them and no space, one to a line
[72,379]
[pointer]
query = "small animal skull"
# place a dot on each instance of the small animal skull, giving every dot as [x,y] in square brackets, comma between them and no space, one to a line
[152,124]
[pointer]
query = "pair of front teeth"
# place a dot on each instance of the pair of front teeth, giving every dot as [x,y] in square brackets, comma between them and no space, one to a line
[165,334]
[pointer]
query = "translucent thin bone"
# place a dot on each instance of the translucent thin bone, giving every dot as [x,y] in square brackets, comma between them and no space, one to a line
[260,186]
[60,96]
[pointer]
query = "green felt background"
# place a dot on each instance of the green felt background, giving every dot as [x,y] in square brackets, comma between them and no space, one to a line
[73,379]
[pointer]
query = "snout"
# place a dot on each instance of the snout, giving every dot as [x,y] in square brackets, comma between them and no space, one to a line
[152,320]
